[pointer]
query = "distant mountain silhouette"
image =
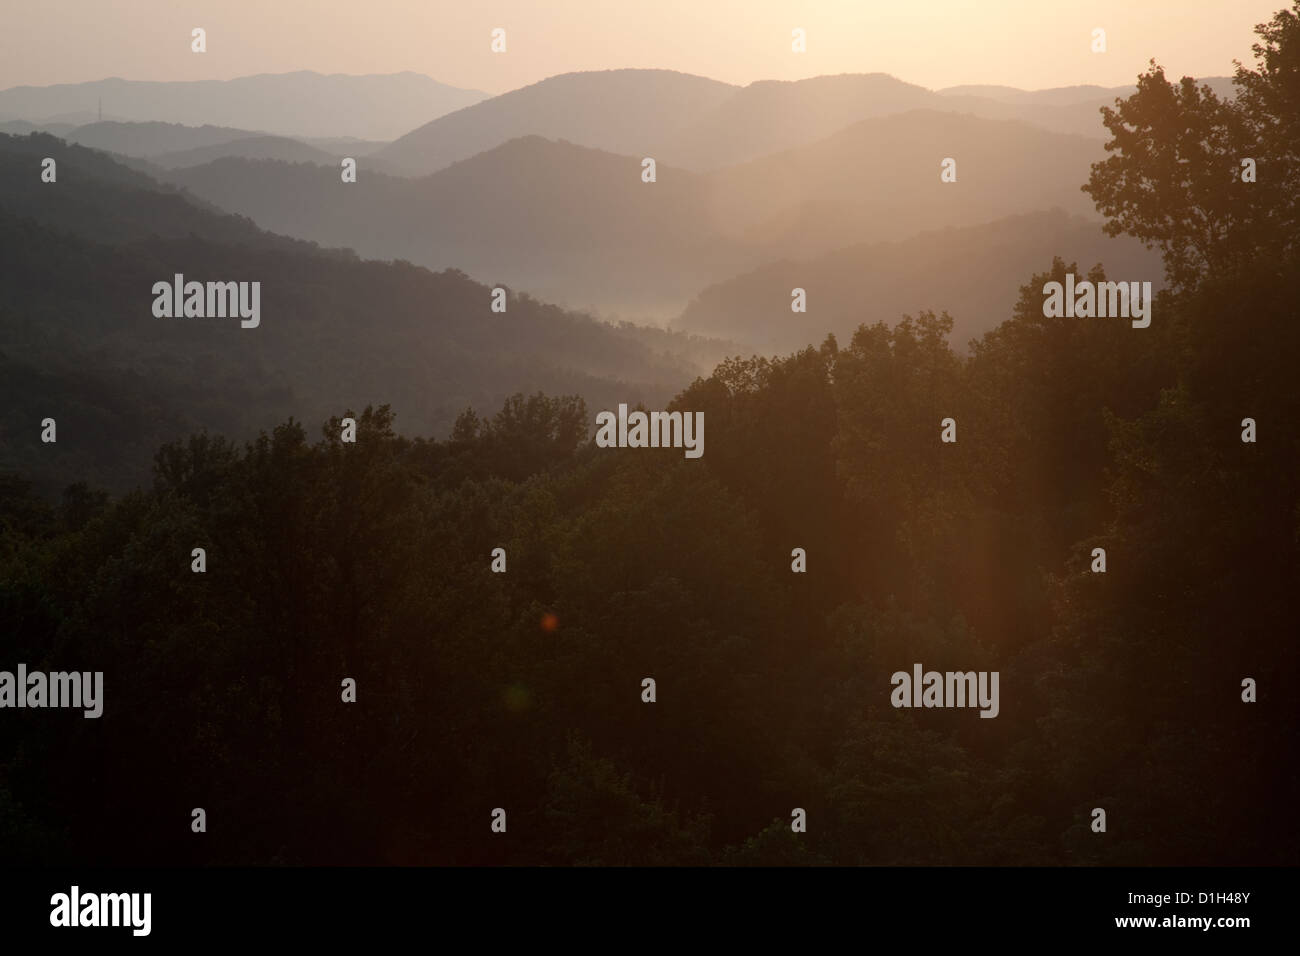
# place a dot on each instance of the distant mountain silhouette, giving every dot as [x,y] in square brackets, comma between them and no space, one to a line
[278,148]
[17,127]
[81,343]
[771,115]
[700,124]
[153,138]
[344,145]
[100,199]
[677,118]
[974,272]
[174,145]
[292,104]
[1067,109]
[622,111]
[578,226]
[1068,95]
[880,179]
[567,223]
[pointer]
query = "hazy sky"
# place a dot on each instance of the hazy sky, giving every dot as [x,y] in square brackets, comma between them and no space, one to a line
[1027,43]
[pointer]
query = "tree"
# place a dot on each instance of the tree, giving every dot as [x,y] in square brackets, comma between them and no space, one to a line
[1175,176]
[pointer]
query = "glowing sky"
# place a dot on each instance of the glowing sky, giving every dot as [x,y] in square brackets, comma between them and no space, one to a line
[936,43]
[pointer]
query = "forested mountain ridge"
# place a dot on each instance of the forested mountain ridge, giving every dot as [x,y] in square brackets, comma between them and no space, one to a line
[302,103]
[1113,528]
[581,227]
[972,272]
[76,324]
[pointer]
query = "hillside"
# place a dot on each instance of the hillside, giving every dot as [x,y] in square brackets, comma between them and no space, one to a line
[770,116]
[569,224]
[278,148]
[880,179]
[702,125]
[99,198]
[974,273]
[621,111]
[377,106]
[174,145]
[152,138]
[80,342]
[578,226]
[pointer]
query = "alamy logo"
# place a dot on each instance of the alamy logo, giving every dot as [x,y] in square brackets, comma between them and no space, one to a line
[103,909]
[1123,300]
[651,430]
[213,300]
[57,689]
[950,689]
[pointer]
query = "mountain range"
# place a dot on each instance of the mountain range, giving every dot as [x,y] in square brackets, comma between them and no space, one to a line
[973,272]
[378,290]
[701,124]
[380,106]
[79,343]
[577,225]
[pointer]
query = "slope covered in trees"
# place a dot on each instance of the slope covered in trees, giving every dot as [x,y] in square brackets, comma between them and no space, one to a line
[79,341]
[522,690]
[578,226]
[973,272]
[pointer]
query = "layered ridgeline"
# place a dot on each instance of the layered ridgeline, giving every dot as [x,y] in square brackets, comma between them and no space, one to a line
[573,225]
[153,146]
[687,121]
[82,343]
[352,679]
[582,226]
[701,124]
[619,111]
[646,675]
[542,187]
[380,106]
[974,273]
[172,145]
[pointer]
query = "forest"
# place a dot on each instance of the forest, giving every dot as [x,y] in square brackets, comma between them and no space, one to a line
[522,690]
